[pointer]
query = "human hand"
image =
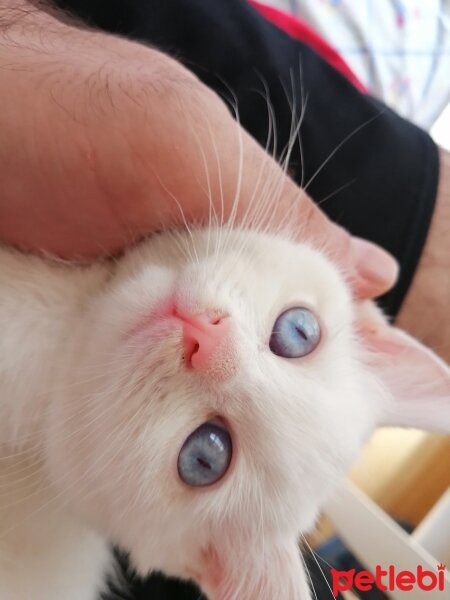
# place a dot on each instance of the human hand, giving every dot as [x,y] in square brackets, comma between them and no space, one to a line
[105,140]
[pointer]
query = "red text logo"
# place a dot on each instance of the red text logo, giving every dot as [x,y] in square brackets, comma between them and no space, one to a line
[388,580]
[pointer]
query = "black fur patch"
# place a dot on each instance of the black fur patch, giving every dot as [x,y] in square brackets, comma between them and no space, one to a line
[128,586]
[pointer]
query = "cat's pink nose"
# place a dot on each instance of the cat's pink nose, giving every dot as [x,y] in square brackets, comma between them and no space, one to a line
[203,339]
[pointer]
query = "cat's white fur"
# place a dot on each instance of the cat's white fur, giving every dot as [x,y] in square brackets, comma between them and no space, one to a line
[95,406]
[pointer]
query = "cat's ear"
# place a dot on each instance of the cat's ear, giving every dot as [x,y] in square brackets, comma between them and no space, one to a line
[416,379]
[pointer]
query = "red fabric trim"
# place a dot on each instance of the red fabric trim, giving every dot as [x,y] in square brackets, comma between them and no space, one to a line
[301,31]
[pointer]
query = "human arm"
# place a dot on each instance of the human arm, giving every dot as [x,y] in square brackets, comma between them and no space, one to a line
[425,311]
[104,138]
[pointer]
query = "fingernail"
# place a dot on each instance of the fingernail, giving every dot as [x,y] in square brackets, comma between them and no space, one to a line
[374,264]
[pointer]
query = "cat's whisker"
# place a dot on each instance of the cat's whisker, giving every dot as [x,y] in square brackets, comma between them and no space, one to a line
[305,566]
[271,198]
[271,135]
[185,223]
[181,243]
[293,137]
[231,220]
[318,564]
[272,121]
[21,453]
[219,174]
[340,145]
[260,216]
[304,101]
[287,152]
[292,101]
[323,560]
[27,481]
[254,217]
[211,208]
[336,191]
[268,200]
[218,222]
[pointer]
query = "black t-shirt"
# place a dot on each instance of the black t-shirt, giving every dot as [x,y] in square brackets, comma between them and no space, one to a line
[370,170]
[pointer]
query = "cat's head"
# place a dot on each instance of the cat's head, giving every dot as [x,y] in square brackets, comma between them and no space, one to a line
[226,382]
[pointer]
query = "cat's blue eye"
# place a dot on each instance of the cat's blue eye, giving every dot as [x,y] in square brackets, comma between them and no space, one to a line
[296,333]
[205,455]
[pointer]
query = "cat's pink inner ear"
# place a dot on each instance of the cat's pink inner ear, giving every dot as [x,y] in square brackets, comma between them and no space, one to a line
[416,379]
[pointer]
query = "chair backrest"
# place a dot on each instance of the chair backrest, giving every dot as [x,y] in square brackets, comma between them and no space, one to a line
[376,539]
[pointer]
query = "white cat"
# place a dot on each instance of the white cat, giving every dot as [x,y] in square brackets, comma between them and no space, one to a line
[195,403]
